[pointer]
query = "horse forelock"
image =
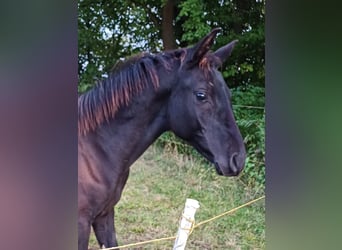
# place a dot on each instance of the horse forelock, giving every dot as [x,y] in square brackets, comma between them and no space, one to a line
[208,63]
[126,80]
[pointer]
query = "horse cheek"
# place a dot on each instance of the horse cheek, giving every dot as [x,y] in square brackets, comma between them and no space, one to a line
[179,122]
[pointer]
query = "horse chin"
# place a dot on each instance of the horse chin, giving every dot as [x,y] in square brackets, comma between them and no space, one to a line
[202,150]
[210,157]
[206,154]
[225,173]
[218,169]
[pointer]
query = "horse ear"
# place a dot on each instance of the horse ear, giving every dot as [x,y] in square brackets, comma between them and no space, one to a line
[224,52]
[197,52]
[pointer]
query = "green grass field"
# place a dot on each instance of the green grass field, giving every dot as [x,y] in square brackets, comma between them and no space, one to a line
[154,198]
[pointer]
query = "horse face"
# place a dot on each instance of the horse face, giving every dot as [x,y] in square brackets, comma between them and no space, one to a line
[200,113]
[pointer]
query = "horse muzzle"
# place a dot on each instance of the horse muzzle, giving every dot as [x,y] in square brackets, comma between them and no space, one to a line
[235,164]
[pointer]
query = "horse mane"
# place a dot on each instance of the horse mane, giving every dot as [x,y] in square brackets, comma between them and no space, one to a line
[126,80]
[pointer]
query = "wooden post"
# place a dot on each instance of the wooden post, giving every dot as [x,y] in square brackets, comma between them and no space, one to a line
[186,224]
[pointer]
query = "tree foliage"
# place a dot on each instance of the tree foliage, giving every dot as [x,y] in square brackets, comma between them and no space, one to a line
[111,30]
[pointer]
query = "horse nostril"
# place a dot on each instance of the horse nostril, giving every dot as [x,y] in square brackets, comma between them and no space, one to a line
[233,163]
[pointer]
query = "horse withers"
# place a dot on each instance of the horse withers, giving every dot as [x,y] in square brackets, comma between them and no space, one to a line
[180,91]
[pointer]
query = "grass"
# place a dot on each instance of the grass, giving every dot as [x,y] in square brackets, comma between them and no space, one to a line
[155,194]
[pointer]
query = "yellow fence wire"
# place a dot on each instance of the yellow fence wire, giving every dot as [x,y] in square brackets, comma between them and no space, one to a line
[191,230]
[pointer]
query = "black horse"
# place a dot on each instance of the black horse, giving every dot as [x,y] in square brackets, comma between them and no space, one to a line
[180,91]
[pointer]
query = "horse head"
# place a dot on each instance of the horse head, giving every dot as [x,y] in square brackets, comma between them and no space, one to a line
[200,110]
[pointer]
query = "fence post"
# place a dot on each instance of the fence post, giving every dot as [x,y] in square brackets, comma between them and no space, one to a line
[186,224]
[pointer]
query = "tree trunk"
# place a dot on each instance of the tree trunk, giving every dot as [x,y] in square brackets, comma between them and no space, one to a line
[168,35]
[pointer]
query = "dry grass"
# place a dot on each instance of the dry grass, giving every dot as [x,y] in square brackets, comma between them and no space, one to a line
[154,198]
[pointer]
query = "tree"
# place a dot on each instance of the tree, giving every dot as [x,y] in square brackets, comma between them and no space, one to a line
[112,30]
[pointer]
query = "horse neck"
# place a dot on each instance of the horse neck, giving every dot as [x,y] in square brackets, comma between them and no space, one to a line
[135,127]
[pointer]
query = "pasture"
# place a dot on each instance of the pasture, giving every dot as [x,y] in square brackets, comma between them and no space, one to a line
[154,197]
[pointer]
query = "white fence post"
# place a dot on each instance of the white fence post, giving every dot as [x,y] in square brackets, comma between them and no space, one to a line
[186,224]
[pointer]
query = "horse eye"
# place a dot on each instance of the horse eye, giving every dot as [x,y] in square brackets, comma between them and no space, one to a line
[201,96]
